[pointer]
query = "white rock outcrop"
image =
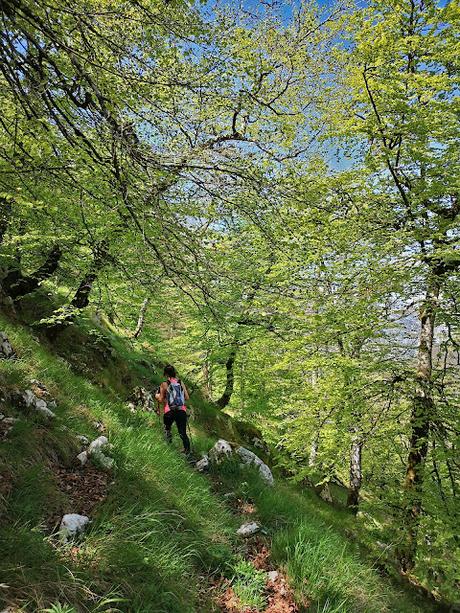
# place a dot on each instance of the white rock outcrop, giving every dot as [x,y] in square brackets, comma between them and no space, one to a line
[203,464]
[220,451]
[250,458]
[96,453]
[6,350]
[72,525]
[248,529]
[223,450]
[83,457]
[32,401]
[102,460]
[98,444]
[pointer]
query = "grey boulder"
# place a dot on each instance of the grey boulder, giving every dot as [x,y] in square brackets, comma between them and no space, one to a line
[72,525]
[248,529]
[98,444]
[220,451]
[96,453]
[31,401]
[202,464]
[102,460]
[6,350]
[83,457]
[249,458]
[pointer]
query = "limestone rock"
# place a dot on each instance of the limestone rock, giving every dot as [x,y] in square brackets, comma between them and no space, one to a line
[95,452]
[202,464]
[248,529]
[250,458]
[98,444]
[273,575]
[40,389]
[72,525]
[6,350]
[102,460]
[83,457]
[31,401]
[221,451]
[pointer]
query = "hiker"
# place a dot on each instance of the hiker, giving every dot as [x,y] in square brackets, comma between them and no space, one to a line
[172,396]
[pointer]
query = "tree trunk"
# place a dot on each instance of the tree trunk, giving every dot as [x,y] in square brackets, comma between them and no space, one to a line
[226,396]
[141,319]
[17,286]
[207,377]
[315,441]
[355,473]
[421,416]
[81,297]
[313,451]
[5,212]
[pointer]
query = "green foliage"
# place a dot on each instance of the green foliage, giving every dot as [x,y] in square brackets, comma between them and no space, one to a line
[281,185]
[151,526]
[248,584]
[325,571]
[59,608]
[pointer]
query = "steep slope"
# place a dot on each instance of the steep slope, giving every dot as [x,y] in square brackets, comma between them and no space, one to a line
[162,537]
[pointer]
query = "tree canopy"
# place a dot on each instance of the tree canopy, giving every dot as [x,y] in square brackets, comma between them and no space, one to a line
[273,191]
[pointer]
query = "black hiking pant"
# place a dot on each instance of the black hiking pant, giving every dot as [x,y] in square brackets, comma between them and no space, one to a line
[180,417]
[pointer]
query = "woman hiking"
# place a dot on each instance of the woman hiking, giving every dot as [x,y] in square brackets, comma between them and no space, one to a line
[172,396]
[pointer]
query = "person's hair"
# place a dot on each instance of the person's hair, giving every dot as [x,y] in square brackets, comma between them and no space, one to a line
[169,371]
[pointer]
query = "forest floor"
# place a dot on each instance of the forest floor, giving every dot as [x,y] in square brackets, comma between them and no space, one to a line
[162,537]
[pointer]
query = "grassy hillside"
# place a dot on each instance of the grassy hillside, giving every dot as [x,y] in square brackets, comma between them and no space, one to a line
[162,536]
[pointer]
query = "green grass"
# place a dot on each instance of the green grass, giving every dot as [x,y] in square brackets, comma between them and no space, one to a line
[323,570]
[249,584]
[327,571]
[163,528]
[160,523]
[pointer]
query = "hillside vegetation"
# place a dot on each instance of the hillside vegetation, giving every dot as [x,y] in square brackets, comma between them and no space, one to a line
[265,195]
[162,537]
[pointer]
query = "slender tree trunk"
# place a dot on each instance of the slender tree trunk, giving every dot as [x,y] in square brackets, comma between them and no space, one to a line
[141,319]
[315,441]
[5,213]
[313,451]
[421,416]
[356,474]
[81,297]
[17,286]
[207,377]
[226,396]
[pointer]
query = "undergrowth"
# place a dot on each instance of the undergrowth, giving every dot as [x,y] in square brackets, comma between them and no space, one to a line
[163,531]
